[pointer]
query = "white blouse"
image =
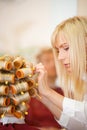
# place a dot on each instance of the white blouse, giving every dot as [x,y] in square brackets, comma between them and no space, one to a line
[74,115]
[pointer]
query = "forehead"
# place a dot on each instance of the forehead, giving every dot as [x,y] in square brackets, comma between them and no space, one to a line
[60,40]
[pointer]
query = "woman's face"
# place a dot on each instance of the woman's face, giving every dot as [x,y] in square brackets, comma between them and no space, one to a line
[62,47]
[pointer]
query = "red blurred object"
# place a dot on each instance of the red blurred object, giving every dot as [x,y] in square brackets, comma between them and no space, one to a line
[39,115]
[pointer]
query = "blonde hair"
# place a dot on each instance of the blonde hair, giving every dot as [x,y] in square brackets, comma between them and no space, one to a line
[75,31]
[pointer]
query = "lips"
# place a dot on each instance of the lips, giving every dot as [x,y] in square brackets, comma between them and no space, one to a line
[67,65]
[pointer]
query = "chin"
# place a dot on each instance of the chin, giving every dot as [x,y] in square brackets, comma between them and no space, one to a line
[69,70]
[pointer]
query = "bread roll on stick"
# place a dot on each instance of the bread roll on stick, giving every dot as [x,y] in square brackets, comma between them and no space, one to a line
[23,107]
[33,93]
[24,72]
[4,101]
[7,77]
[4,89]
[7,110]
[5,65]
[21,98]
[18,62]
[19,87]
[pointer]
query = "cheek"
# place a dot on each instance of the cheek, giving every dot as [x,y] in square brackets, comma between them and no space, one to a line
[67,55]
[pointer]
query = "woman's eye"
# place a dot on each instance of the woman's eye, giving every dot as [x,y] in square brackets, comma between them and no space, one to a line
[66,49]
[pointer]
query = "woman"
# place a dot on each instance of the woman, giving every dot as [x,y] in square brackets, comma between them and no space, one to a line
[69,41]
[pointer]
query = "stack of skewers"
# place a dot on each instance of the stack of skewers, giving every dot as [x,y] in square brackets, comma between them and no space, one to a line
[18,82]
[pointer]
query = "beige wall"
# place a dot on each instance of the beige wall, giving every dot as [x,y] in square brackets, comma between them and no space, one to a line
[26,24]
[82,7]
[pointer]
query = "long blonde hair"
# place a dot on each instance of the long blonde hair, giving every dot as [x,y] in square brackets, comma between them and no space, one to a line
[75,31]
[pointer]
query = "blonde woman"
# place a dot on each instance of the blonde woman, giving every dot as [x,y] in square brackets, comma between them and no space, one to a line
[69,41]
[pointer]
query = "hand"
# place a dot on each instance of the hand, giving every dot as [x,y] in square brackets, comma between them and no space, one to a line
[42,79]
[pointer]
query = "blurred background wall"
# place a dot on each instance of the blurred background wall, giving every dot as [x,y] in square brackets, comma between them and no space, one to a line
[27,25]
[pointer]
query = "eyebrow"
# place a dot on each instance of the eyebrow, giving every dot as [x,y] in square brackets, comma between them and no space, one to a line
[62,45]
